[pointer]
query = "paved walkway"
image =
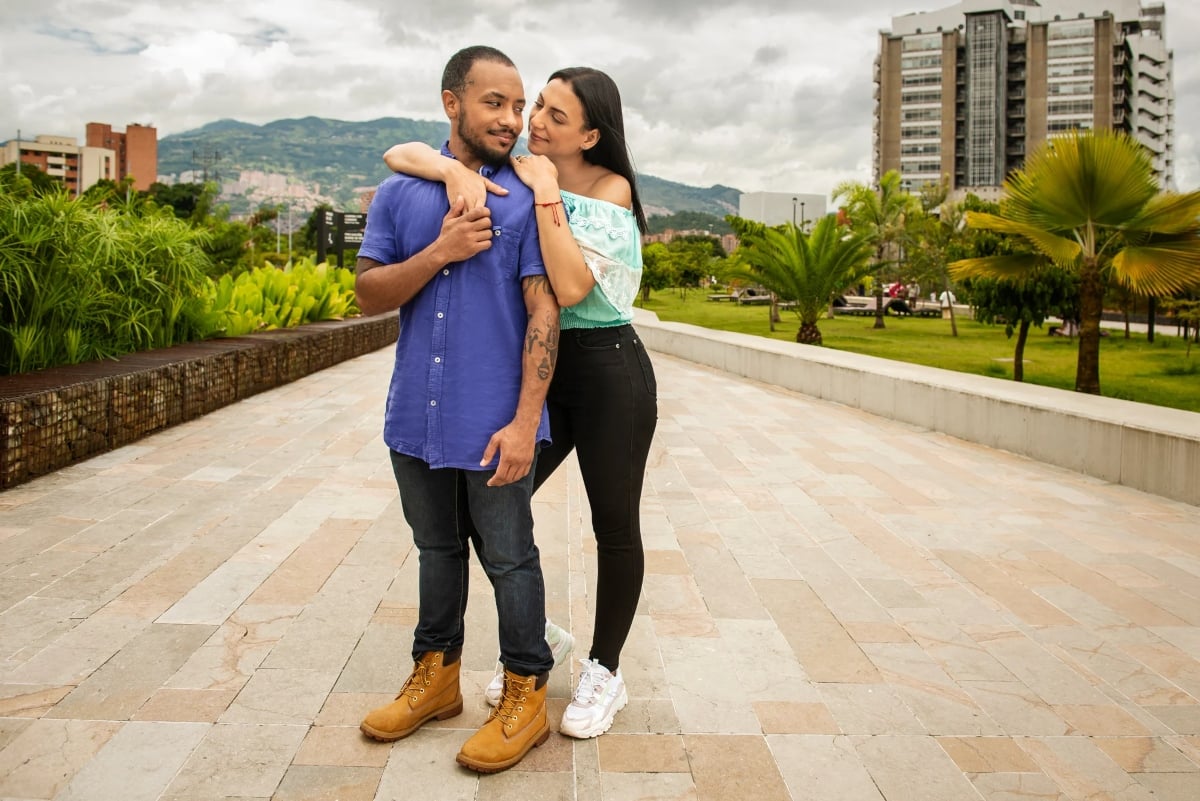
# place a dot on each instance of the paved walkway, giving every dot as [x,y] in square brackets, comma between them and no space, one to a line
[836,607]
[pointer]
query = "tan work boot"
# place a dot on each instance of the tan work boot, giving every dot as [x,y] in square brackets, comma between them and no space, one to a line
[517,724]
[430,692]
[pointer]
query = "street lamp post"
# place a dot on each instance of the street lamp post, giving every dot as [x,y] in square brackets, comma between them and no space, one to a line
[794,211]
[801,215]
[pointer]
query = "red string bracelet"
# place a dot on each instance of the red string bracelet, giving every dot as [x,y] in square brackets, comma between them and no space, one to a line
[553,206]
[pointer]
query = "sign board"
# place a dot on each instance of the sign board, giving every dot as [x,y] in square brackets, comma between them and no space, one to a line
[337,230]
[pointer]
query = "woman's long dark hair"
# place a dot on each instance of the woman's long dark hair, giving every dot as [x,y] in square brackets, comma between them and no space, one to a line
[602,110]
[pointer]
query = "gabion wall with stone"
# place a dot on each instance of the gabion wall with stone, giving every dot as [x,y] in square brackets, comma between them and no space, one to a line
[51,418]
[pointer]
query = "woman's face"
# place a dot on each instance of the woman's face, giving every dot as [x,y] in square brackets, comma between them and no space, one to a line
[557,126]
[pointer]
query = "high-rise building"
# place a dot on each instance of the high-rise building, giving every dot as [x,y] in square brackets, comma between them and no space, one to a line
[136,149]
[963,93]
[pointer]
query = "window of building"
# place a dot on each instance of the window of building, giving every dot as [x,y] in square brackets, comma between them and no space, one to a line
[915,114]
[1061,126]
[1064,107]
[929,41]
[921,62]
[1070,50]
[921,97]
[922,79]
[1084,29]
[921,132]
[1070,88]
[921,149]
[1073,70]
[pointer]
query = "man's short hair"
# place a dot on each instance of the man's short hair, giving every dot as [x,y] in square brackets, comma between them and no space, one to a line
[454,77]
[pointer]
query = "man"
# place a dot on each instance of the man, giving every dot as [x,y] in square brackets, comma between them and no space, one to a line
[465,409]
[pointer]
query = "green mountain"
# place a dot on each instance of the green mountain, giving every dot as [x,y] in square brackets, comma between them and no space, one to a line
[312,160]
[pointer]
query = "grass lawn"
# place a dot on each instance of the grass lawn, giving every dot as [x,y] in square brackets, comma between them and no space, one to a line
[1161,374]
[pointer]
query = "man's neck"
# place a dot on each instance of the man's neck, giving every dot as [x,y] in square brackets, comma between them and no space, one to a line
[464,155]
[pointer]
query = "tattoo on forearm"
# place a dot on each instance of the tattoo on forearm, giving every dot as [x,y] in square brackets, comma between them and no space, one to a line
[547,342]
[538,284]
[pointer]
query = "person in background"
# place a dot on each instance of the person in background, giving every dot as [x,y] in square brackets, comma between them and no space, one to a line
[603,400]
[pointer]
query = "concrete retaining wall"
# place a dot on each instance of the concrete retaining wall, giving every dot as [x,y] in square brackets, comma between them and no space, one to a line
[1147,447]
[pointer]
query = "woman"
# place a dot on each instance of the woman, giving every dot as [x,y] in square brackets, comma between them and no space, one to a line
[602,401]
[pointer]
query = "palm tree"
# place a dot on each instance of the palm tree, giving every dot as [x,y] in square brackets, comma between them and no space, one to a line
[880,216]
[1088,202]
[806,269]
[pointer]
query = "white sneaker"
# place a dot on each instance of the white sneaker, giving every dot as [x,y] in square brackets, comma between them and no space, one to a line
[560,641]
[598,698]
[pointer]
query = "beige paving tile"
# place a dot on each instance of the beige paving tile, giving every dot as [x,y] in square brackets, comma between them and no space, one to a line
[1016,787]
[725,766]
[137,763]
[343,746]
[422,766]
[124,683]
[29,700]
[1171,786]
[328,783]
[237,761]
[47,754]
[987,755]
[824,649]
[1082,770]
[1145,755]
[869,709]
[791,717]
[822,768]
[1099,720]
[642,753]
[911,768]
[280,696]
[647,787]
[10,728]
[202,706]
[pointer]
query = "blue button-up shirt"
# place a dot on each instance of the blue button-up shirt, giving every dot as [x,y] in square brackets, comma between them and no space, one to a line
[458,366]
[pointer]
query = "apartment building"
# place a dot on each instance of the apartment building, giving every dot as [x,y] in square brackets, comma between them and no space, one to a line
[136,149]
[62,158]
[963,93]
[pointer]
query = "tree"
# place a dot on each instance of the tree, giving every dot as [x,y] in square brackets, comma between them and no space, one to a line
[31,181]
[657,270]
[1022,303]
[807,269]
[880,216]
[1088,203]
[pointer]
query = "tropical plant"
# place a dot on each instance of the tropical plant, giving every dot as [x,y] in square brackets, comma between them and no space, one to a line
[879,215]
[806,269]
[1088,202]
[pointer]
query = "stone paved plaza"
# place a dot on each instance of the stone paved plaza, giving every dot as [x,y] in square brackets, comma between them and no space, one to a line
[837,607]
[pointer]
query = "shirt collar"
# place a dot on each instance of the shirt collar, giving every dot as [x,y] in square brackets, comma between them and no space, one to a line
[487,170]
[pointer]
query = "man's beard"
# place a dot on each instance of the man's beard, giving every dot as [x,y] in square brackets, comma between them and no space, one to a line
[486,154]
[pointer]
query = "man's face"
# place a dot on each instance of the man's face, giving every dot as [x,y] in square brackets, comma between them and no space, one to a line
[488,114]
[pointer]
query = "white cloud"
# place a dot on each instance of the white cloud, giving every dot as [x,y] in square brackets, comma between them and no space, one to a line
[756,94]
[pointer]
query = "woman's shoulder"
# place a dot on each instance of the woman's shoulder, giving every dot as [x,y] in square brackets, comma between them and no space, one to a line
[611,188]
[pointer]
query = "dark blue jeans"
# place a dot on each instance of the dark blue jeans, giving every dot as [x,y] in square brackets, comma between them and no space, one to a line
[603,404]
[440,506]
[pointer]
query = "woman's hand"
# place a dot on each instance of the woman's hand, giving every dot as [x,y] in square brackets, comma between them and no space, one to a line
[539,174]
[469,185]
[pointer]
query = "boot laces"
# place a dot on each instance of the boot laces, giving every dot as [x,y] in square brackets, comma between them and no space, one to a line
[512,699]
[421,677]
[591,682]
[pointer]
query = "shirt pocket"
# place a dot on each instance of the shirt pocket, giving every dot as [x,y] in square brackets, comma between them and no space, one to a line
[503,254]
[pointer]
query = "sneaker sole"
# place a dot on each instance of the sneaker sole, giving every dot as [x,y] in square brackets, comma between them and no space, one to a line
[391,736]
[604,725]
[496,767]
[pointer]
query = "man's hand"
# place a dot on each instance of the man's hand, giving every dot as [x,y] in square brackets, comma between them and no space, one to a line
[468,184]
[516,445]
[464,232]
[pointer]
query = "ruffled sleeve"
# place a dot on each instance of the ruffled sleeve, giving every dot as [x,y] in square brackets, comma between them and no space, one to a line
[608,238]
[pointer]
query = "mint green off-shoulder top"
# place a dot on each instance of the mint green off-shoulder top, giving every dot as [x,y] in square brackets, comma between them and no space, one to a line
[612,249]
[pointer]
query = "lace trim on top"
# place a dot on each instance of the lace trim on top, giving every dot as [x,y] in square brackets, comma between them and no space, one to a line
[607,237]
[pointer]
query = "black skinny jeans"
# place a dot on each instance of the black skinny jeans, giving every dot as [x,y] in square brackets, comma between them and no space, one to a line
[603,404]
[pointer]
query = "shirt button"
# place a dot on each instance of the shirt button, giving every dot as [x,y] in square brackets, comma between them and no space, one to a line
[437,359]
[445,272]
[433,403]
[440,315]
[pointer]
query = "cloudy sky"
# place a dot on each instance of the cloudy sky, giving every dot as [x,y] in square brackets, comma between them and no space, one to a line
[768,95]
